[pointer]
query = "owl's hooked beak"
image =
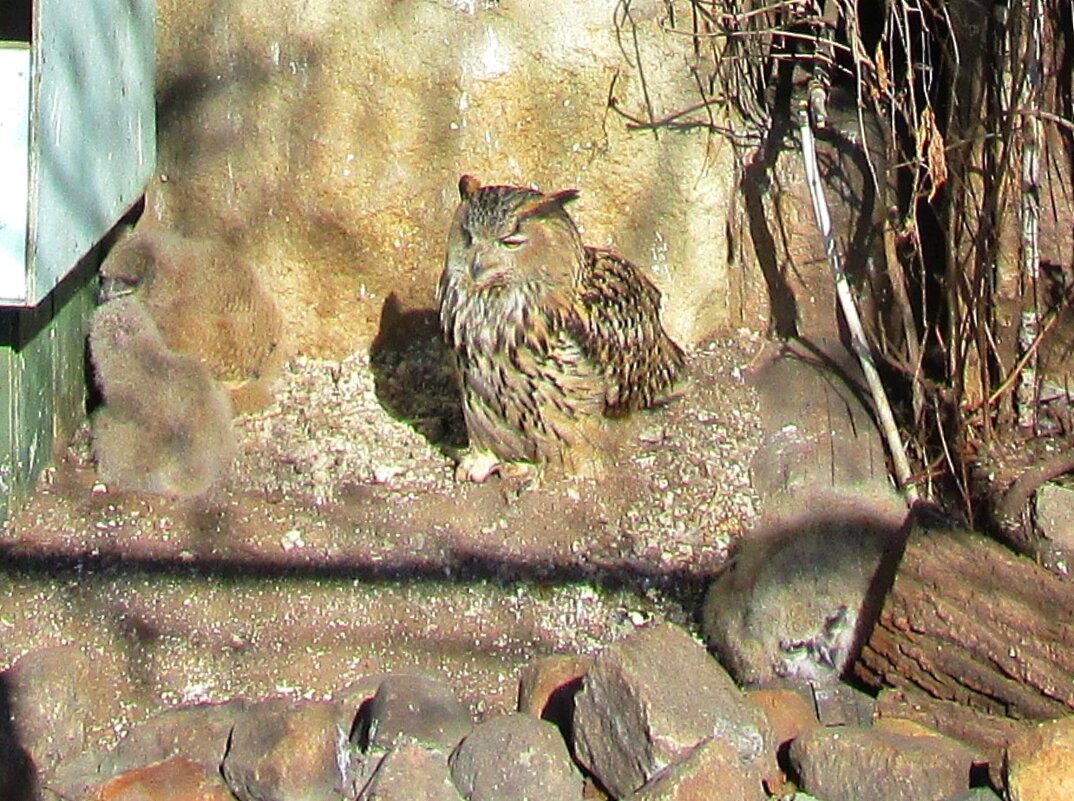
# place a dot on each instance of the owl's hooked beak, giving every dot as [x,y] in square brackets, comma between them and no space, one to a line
[112,288]
[482,264]
[477,267]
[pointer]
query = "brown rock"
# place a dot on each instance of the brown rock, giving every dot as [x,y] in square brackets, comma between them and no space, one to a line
[546,688]
[56,695]
[177,779]
[198,733]
[649,700]
[410,772]
[1040,763]
[414,708]
[788,715]
[853,763]
[282,749]
[787,712]
[711,772]
[515,758]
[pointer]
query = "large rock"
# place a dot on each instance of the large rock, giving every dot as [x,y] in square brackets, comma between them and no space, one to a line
[649,700]
[1040,763]
[324,141]
[416,709]
[411,772]
[56,697]
[515,758]
[198,734]
[711,772]
[175,780]
[286,751]
[854,763]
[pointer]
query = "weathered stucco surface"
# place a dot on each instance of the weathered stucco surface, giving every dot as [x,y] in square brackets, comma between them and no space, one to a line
[324,140]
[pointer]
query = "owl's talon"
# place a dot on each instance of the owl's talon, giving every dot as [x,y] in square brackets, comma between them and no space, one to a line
[476,466]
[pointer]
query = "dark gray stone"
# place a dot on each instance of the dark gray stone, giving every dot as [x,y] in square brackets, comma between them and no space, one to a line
[515,758]
[415,708]
[649,700]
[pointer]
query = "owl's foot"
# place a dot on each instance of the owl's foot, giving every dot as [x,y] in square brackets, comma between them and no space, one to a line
[476,466]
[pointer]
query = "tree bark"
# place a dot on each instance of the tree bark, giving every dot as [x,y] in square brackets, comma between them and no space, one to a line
[968,621]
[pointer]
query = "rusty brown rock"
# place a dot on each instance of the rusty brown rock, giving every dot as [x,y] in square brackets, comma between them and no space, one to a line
[1040,763]
[789,715]
[546,687]
[650,699]
[177,779]
[855,763]
[282,749]
[711,772]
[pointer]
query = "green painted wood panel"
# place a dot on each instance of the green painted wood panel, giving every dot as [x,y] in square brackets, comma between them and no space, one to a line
[78,130]
[42,380]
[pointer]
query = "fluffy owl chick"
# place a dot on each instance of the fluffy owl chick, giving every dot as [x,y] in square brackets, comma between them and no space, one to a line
[207,303]
[165,426]
[551,338]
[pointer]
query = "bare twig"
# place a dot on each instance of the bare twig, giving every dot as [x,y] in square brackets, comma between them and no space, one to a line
[853,319]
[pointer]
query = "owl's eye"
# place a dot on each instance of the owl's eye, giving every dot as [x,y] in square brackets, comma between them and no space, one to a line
[514,241]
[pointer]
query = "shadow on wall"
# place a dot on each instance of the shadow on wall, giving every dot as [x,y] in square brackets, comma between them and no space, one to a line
[787,243]
[413,375]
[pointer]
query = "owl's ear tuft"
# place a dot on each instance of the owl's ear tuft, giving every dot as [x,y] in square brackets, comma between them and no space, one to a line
[467,186]
[548,204]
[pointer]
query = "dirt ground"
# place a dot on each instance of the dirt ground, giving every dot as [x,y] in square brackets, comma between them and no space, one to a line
[340,545]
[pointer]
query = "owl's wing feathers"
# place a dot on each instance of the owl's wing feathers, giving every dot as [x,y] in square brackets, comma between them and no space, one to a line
[619,325]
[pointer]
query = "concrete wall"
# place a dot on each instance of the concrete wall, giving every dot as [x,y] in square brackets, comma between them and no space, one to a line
[323,139]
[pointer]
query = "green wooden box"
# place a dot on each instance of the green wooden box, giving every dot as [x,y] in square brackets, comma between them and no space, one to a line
[77,148]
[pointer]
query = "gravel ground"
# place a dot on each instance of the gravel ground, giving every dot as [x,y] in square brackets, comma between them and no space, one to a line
[340,545]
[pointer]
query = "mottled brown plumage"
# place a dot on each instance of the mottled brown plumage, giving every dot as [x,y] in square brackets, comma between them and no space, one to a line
[206,302]
[165,426]
[551,338]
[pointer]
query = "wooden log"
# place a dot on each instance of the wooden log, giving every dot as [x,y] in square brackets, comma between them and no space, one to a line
[968,621]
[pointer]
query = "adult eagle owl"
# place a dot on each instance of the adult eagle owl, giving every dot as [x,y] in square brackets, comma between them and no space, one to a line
[551,338]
